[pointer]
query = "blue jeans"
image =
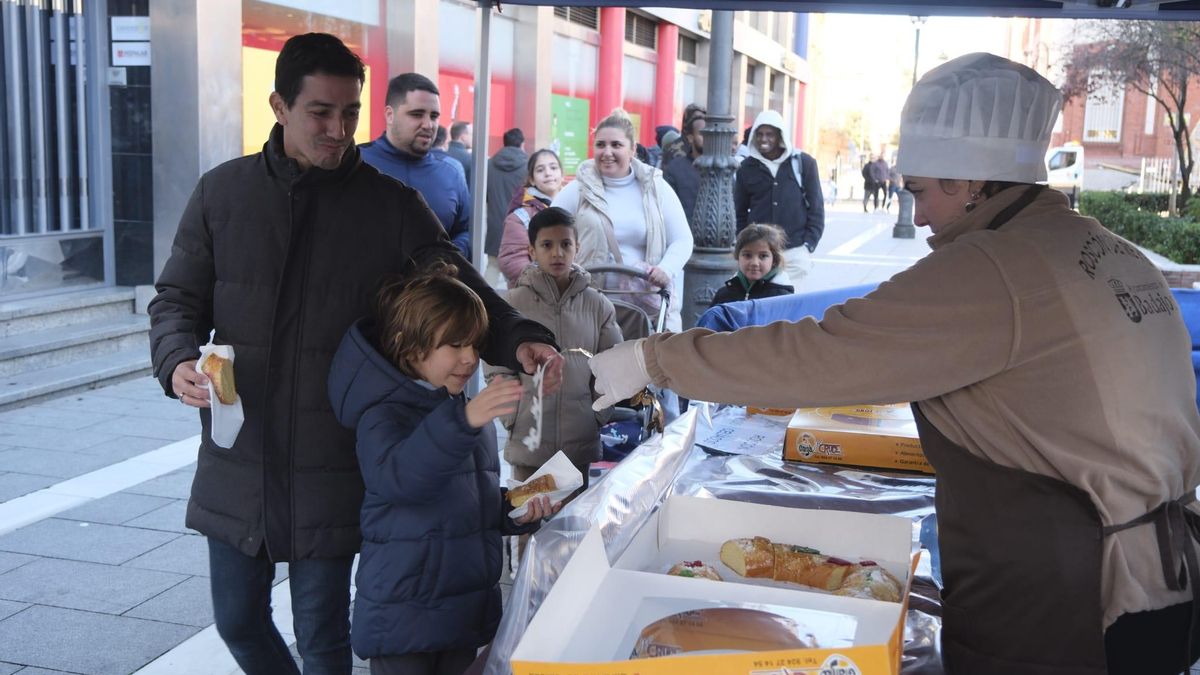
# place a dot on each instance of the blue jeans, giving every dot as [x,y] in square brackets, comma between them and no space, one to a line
[241,593]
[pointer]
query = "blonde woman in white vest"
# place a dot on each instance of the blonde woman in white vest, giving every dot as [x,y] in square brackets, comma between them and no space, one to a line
[627,214]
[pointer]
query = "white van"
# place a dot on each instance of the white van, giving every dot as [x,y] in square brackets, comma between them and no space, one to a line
[1064,166]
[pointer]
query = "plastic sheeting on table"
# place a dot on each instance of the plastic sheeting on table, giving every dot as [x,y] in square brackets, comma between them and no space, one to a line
[631,492]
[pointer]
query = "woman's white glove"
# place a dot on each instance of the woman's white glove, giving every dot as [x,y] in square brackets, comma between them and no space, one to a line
[620,373]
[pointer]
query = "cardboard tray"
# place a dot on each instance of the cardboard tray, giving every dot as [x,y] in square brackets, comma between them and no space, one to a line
[589,620]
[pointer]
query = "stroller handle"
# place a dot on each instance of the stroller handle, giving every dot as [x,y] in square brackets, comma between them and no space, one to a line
[627,270]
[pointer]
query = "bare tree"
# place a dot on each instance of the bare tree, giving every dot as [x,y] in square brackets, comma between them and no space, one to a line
[1156,58]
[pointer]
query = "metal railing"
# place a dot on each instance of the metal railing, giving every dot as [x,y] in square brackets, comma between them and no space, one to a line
[1161,174]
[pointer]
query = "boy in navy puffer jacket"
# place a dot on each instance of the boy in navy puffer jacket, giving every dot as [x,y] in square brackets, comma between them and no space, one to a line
[433,514]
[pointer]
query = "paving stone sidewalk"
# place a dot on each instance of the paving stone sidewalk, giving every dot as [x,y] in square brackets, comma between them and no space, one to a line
[107,587]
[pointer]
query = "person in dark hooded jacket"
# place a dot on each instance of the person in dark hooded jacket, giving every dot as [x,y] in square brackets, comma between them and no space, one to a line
[681,172]
[656,151]
[433,515]
[505,177]
[779,184]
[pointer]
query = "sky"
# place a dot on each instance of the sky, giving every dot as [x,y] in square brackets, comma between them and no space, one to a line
[867,61]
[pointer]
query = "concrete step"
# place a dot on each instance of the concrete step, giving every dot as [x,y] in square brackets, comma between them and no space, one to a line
[38,314]
[31,386]
[55,346]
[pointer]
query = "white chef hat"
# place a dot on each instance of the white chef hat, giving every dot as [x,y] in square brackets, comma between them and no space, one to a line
[978,117]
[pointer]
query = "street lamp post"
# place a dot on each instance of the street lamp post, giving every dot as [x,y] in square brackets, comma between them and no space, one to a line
[905,228]
[713,221]
[918,21]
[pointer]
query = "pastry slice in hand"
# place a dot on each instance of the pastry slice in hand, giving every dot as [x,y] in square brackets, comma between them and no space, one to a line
[220,372]
[523,493]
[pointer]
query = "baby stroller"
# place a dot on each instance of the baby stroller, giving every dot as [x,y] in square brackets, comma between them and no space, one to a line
[637,418]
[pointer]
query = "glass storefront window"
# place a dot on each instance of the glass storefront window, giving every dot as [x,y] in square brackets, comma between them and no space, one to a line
[637,84]
[266,25]
[572,105]
[42,107]
[43,263]
[456,70]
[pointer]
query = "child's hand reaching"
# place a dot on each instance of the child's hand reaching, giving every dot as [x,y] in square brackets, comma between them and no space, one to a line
[539,508]
[498,398]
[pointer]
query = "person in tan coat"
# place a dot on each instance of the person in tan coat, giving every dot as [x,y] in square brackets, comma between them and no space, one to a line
[1052,385]
[557,292]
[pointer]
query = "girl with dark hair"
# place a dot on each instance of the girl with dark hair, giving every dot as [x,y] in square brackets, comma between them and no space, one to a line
[543,181]
[759,252]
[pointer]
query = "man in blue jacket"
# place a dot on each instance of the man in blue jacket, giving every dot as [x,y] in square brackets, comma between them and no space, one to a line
[402,152]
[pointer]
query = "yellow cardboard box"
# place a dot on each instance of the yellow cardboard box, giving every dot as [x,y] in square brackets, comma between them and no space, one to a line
[882,436]
[773,412]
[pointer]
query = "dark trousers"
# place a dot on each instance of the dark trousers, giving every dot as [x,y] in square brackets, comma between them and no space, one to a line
[241,593]
[448,662]
[872,190]
[1152,643]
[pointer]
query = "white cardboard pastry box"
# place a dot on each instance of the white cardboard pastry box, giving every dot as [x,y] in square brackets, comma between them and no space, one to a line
[598,615]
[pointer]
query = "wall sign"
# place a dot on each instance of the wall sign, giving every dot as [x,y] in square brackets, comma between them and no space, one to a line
[569,130]
[131,53]
[129,28]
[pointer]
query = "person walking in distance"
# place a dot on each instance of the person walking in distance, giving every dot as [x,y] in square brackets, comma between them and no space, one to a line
[506,177]
[879,179]
[460,149]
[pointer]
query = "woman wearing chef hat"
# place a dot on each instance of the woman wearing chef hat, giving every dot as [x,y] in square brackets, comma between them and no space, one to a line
[1052,384]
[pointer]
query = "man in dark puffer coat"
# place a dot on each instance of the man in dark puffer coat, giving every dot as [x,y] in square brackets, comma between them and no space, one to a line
[280,252]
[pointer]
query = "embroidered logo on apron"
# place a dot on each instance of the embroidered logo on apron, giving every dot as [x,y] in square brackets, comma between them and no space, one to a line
[1126,300]
[1140,301]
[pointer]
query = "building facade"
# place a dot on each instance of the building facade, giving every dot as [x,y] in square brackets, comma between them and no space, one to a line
[1121,126]
[95,171]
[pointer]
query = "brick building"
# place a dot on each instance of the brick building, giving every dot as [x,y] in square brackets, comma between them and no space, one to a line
[1119,126]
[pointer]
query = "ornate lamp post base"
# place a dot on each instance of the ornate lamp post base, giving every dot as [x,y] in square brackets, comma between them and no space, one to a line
[713,222]
[704,274]
[904,227]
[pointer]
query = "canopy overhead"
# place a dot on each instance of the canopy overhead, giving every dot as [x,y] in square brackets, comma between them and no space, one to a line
[1170,10]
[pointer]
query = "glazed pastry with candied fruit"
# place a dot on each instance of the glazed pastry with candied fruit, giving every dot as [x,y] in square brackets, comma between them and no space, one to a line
[694,568]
